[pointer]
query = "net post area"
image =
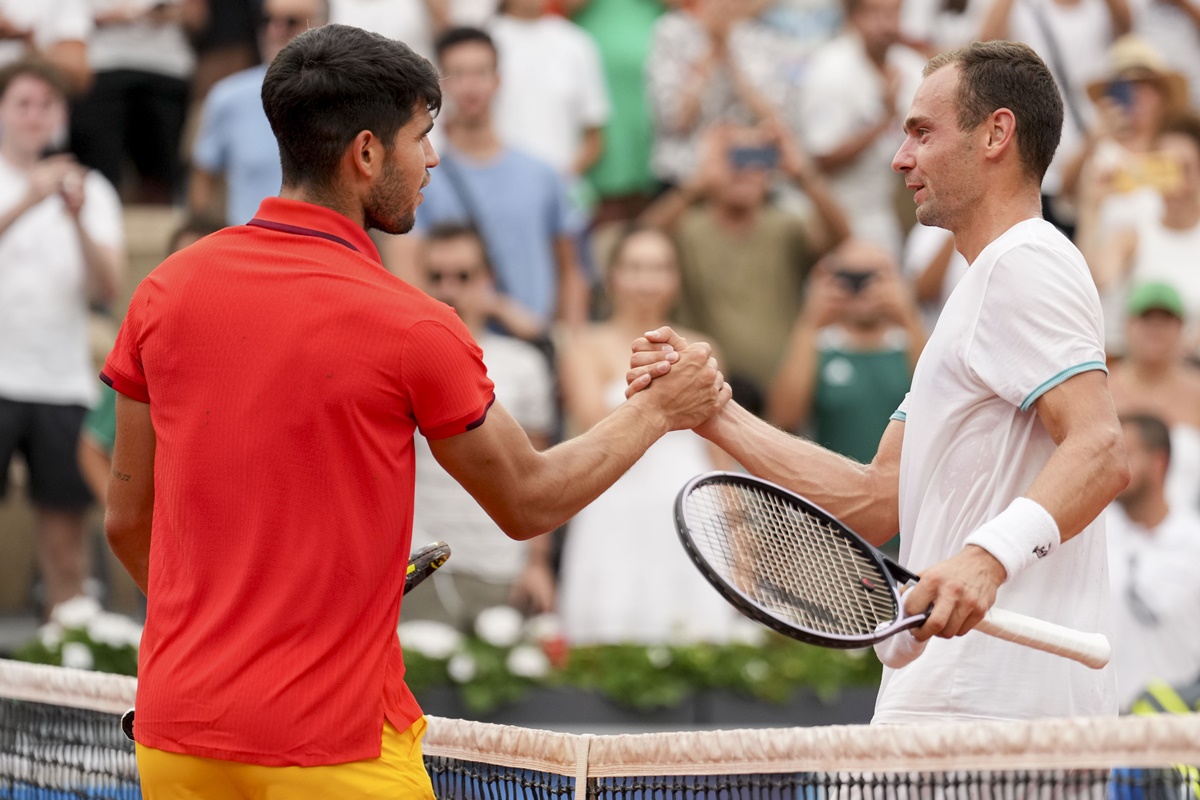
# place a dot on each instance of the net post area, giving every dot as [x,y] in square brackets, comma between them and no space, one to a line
[60,737]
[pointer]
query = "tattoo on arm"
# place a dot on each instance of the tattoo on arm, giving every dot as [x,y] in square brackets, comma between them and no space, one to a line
[121,476]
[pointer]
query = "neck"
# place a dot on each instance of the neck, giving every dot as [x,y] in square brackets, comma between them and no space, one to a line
[996,212]
[633,322]
[19,158]
[1148,508]
[342,204]
[475,138]
[1153,371]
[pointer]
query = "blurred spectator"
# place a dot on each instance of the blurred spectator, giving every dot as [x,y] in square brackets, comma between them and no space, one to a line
[226,44]
[852,352]
[605,595]
[1173,28]
[61,246]
[622,30]
[855,94]
[744,262]
[100,425]
[141,63]
[709,63]
[553,102]
[1072,37]
[55,30]
[1162,247]
[933,265]
[1153,549]
[488,568]
[517,203]
[1154,378]
[235,140]
[937,26]
[414,22]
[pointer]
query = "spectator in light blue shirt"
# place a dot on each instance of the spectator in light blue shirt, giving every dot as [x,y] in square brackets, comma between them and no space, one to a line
[235,140]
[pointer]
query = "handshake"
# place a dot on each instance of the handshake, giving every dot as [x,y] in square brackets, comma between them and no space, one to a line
[678,380]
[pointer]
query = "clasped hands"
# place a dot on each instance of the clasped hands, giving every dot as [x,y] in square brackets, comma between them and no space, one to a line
[693,388]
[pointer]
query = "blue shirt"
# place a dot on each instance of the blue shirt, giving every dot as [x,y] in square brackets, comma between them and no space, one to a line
[523,208]
[235,140]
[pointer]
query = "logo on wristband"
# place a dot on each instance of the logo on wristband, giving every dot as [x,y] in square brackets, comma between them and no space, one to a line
[1042,550]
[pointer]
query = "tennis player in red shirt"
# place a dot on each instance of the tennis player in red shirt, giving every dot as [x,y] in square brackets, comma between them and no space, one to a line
[270,379]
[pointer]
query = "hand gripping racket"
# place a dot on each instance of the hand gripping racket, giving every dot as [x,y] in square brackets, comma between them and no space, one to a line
[790,565]
[421,565]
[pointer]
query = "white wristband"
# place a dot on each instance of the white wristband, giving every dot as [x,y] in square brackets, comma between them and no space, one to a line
[1019,535]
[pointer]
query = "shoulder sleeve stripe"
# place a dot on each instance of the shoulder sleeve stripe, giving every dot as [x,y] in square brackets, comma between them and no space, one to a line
[1069,372]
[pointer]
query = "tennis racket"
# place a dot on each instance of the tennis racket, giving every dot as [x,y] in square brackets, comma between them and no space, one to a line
[423,563]
[790,565]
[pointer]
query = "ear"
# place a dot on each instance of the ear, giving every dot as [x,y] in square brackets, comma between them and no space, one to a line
[1001,128]
[366,155]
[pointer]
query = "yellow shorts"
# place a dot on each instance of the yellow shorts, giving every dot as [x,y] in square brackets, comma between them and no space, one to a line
[399,772]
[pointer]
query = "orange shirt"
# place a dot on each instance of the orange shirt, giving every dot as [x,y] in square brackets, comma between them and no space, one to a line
[286,371]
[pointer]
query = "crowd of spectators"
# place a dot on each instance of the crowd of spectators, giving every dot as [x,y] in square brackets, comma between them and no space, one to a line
[608,166]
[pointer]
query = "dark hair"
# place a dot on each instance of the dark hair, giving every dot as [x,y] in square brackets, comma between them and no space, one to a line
[198,225]
[449,231]
[462,35]
[331,83]
[38,68]
[995,75]
[1185,123]
[1154,432]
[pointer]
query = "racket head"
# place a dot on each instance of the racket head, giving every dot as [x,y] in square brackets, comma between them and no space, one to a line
[424,562]
[785,562]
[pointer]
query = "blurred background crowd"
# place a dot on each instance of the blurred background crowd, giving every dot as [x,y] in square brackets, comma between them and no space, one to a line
[609,166]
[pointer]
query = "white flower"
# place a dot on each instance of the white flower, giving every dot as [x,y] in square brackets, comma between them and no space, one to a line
[50,635]
[77,655]
[76,612]
[755,670]
[114,630]
[543,628]
[527,661]
[659,657]
[461,668]
[499,626]
[435,640]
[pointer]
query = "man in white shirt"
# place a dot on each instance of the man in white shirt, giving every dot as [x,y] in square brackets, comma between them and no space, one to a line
[60,247]
[488,568]
[56,30]
[1153,551]
[1007,446]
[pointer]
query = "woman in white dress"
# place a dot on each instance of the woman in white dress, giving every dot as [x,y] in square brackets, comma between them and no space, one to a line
[625,576]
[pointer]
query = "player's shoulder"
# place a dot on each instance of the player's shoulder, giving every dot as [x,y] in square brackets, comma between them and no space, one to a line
[1034,248]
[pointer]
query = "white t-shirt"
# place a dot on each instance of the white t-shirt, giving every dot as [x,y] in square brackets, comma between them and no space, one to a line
[843,95]
[52,21]
[407,22]
[1082,32]
[444,510]
[552,87]
[43,299]
[1155,600]
[1025,318]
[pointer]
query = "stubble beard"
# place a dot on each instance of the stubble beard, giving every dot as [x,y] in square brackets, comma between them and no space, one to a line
[383,211]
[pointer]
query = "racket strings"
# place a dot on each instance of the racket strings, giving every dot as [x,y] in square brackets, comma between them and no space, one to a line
[792,564]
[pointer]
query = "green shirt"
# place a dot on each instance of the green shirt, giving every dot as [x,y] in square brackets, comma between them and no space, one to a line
[100,425]
[622,31]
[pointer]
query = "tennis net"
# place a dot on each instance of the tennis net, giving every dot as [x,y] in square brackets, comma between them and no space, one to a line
[60,738]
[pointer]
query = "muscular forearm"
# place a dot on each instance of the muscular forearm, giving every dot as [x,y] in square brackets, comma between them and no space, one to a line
[861,495]
[832,218]
[130,543]
[790,398]
[665,212]
[572,287]
[1081,479]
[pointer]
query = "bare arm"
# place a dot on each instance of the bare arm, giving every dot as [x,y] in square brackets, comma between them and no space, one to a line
[590,150]
[789,400]
[202,192]
[853,146]
[70,58]
[996,23]
[529,493]
[105,265]
[95,466]
[573,292]
[1121,16]
[130,506]
[931,280]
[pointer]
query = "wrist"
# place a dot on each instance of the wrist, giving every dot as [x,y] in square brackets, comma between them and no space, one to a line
[1018,536]
[653,416]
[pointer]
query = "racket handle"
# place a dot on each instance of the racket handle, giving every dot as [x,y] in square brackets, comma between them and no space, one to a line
[1090,649]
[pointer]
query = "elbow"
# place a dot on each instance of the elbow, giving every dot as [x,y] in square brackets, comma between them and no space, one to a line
[522,528]
[1118,467]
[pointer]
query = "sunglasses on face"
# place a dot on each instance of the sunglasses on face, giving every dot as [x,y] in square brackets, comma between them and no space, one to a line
[289,22]
[457,276]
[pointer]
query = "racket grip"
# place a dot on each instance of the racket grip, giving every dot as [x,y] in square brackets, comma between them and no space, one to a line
[1090,649]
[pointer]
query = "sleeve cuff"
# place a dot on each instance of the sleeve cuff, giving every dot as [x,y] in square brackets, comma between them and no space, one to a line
[467,423]
[1069,372]
[121,384]
[899,416]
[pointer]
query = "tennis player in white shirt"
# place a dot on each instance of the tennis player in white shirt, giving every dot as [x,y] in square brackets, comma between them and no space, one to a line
[996,465]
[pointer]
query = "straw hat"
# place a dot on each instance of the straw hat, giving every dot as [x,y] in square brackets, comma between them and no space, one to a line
[1133,58]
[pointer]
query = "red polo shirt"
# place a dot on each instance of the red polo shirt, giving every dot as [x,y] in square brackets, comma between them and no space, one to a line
[286,371]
